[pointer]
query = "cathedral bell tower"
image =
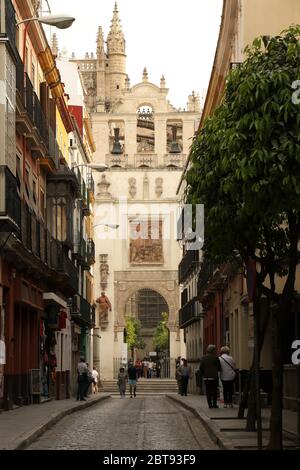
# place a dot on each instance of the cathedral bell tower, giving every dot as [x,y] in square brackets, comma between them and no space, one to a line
[100,69]
[115,68]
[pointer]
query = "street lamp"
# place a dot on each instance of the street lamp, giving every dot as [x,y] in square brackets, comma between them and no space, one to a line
[59,21]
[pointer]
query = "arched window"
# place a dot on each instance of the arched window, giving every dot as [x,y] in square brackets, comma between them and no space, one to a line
[147,305]
[174,136]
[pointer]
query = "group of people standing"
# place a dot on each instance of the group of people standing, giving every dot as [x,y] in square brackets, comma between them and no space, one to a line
[147,368]
[86,377]
[211,369]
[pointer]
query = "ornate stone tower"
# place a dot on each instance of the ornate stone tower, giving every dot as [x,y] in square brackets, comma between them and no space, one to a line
[116,64]
[100,70]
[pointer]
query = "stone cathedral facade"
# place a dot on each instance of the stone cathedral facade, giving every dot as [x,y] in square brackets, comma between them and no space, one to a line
[145,142]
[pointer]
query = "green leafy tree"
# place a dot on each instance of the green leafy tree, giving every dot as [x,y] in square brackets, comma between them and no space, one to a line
[133,335]
[161,334]
[246,171]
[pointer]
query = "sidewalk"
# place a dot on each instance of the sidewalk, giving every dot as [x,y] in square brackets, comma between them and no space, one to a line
[228,432]
[20,427]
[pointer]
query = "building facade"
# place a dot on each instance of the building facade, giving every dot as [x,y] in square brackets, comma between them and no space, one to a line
[39,272]
[222,292]
[144,141]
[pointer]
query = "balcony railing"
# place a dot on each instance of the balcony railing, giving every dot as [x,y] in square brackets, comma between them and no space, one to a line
[34,110]
[60,262]
[20,76]
[208,268]
[8,27]
[189,313]
[174,160]
[117,161]
[10,204]
[53,149]
[146,160]
[81,309]
[187,264]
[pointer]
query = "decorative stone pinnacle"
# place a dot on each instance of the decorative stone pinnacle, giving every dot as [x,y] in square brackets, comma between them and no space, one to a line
[145,75]
[115,38]
[162,82]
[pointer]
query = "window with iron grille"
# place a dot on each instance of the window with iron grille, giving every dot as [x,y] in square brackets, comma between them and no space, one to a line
[147,305]
[10,111]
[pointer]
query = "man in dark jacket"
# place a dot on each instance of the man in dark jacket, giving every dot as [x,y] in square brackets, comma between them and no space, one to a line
[132,378]
[209,368]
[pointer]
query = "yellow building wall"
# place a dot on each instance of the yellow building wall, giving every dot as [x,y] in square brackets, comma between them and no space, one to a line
[62,137]
[268,17]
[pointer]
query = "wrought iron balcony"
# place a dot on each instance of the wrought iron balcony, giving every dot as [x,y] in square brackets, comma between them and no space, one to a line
[81,310]
[51,160]
[60,262]
[30,118]
[189,313]
[8,23]
[20,77]
[210,279]
[189,261]
[10,204]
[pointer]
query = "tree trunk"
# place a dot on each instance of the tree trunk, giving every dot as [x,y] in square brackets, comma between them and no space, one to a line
[275,442]
[251,415]
[265,316]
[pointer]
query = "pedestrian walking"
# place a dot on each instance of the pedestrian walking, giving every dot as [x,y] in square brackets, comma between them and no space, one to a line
[185,372]
[178,376]
[132,378]
[228,375]
[145,367]
[95,376]
[138,366]
[122,379]
[209,368]
[82,371]
[158,369]
[89,380]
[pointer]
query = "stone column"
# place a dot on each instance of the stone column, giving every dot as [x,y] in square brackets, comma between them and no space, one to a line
[187,132]
[160,138]
[130,139]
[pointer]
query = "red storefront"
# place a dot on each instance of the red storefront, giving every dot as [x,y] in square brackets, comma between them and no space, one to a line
[23,306]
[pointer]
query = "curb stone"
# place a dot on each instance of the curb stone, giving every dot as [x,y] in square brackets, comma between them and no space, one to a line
[34,434]
[211,428]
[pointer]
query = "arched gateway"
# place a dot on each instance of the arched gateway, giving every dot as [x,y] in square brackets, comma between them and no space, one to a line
[149,307]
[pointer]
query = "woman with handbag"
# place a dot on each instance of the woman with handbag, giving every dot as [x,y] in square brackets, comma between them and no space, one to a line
[228,375]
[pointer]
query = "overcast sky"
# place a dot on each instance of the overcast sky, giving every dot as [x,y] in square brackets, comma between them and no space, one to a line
[176,38]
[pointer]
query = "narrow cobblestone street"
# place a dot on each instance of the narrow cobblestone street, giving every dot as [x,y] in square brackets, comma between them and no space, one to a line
[137,424]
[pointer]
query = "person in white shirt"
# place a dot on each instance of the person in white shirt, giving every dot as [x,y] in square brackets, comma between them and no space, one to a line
[227,374]
[95,376]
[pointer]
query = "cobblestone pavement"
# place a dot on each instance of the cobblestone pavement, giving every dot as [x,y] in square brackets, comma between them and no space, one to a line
[136,424]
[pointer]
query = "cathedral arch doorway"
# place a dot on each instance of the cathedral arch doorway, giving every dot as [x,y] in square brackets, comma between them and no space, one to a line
[148,306]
